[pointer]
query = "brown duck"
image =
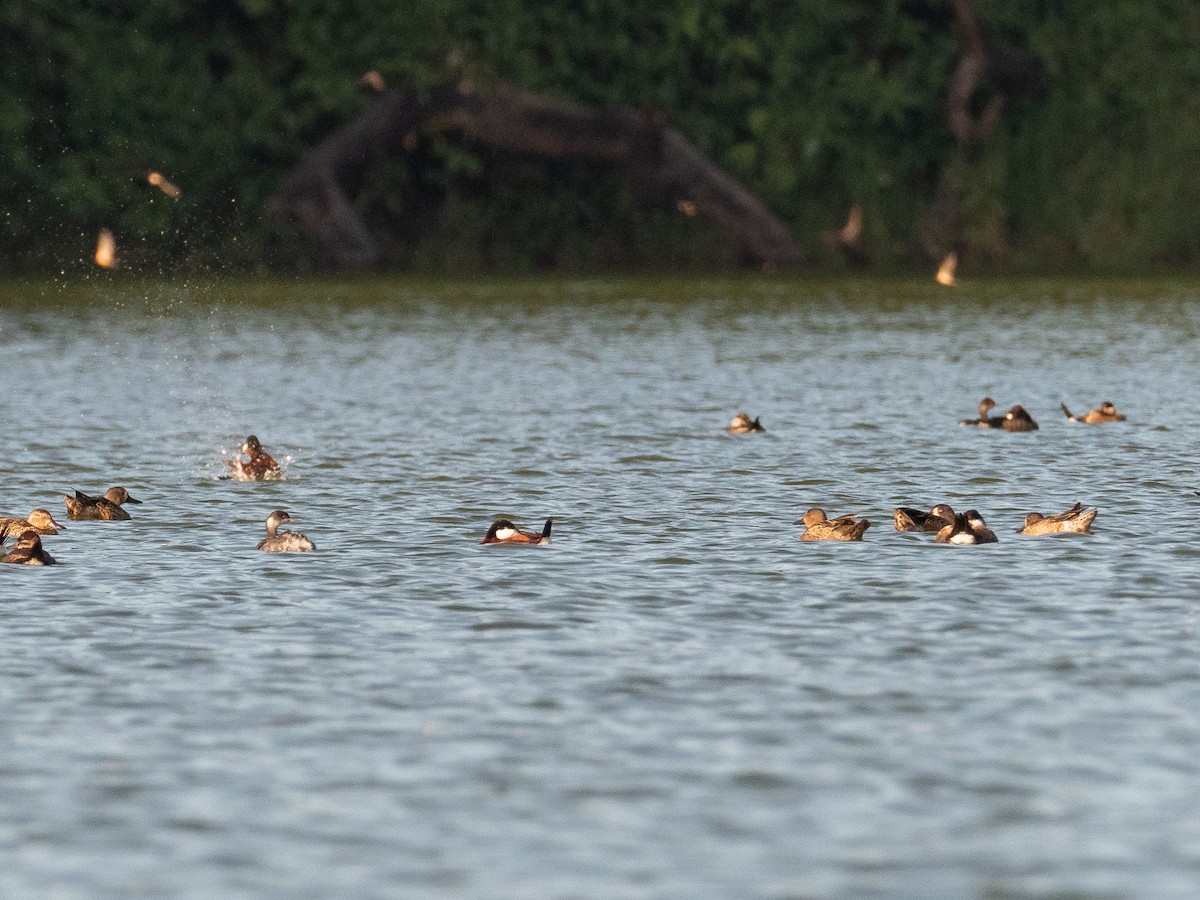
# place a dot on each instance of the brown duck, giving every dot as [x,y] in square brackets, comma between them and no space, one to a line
[821,528]
[28,551]
[910,519]
[39,520]
[1076,519]
[108,507]
[1105,413]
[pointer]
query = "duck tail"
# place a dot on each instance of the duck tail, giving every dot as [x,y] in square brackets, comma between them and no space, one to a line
[1067,412]
[546,528]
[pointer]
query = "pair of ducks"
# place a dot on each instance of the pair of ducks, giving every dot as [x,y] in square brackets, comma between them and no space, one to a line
[502,531]
[1016,419]
[28,531]
[260,466]
[969,527]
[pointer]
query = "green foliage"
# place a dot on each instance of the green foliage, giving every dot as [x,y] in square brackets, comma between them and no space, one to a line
[814,104]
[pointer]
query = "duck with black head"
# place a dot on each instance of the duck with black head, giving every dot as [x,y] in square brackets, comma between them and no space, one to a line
[743,424]
[502,531]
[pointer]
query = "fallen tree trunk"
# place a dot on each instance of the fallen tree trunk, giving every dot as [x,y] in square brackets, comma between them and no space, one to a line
[659,163]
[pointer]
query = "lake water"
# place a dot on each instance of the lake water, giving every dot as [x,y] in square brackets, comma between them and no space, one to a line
[677,698]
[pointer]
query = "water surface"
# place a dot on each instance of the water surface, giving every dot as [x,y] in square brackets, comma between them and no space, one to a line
[677,698]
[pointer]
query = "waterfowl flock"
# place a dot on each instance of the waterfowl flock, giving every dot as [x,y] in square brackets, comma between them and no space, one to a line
[254,463]
[941,520]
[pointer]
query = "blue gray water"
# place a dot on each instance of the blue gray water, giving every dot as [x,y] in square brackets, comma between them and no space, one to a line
[677,698]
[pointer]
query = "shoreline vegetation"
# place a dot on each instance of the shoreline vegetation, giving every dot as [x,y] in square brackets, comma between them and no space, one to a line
[1027,140]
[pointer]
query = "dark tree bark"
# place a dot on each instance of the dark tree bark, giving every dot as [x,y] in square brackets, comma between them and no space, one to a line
[659,163]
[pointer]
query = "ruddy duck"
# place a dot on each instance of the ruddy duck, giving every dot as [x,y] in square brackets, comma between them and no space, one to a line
[28,551]
[39,520]
[108,507]
[821,528]
[503,531]
[1106,413]
[909,519]
[284,541]
[1016,419]
[1076,519]
[967,528]
[261,466]
[743,424]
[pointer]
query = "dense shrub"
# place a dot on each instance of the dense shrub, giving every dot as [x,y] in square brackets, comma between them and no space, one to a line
[814,105]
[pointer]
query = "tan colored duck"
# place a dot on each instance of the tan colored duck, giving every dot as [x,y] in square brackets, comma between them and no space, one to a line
[1106,412]
[910,519]
[1016,419]
[819,527]
[967,528]
[28,551]
[743,424]
[1076,519]
[502,531]
[108,507]
[38,520]
[283,541]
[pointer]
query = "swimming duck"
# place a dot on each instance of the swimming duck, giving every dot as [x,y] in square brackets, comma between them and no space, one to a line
[108,507]
[284,541]
[261,466]
[39,520]
[1016,419]
[1106,413]
[28,551]
[743,424]
[967,528]
[503,531]
[821,528]
[909,519]
[1076,519]
[984,421]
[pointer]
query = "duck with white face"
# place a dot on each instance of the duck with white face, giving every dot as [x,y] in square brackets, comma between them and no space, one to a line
[967,528]
[743,424]
[502,531]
